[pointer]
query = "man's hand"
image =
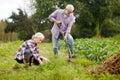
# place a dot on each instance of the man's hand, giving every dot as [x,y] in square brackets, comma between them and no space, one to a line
[57,21]
[66,36]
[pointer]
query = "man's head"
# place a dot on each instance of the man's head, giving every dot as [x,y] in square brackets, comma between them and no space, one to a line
[69,9]
[38,37]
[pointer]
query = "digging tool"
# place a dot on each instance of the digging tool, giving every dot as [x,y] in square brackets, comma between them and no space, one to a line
[60,30]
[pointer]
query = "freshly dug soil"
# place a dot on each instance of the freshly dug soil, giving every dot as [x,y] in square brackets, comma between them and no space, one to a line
[111,65]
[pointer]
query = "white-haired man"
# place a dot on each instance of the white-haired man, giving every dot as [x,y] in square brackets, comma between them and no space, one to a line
[63,20]
[30,49]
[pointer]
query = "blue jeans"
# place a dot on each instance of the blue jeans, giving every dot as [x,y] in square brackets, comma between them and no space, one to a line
[27,51]
[69,43]
[27,57]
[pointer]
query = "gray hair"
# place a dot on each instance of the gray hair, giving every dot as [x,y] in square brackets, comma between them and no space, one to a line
[38,35]
[70,7]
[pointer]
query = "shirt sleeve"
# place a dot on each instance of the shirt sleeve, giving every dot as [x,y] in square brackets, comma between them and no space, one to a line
[70,24]
[36,53]
[36,50]
[53,15]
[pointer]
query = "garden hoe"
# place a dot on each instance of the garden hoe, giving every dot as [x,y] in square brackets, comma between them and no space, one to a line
[70,53]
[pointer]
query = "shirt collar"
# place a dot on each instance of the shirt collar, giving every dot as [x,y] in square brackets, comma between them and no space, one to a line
[33,41]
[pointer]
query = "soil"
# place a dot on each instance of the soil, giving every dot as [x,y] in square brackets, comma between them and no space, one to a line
[111,65]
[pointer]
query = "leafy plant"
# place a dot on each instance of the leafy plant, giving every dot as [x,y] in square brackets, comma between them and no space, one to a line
[96,50]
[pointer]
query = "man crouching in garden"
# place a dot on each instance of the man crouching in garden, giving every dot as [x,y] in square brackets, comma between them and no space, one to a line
[29,49]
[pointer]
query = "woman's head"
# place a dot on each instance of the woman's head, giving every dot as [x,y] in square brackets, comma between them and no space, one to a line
[38,37]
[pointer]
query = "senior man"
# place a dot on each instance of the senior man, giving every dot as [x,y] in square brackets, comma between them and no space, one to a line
[63,20]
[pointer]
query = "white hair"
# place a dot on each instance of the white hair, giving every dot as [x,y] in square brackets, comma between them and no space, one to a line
[38,35]
[70,7]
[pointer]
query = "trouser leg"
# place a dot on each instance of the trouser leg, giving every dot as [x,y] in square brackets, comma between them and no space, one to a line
[55,45]
[70,45]
[27,57]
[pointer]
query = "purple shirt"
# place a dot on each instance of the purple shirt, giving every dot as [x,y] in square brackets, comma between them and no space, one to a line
[67,22]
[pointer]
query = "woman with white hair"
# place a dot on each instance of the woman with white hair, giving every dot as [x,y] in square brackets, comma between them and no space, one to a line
[30,49]
[63,20]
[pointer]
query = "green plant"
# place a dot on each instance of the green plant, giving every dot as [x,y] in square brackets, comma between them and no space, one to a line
[96,50]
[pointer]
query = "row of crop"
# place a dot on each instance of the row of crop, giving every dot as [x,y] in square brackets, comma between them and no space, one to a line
[96,49]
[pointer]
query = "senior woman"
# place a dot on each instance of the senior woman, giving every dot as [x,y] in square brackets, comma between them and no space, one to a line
[30,49]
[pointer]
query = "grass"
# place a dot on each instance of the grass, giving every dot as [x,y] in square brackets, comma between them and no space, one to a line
[56,69]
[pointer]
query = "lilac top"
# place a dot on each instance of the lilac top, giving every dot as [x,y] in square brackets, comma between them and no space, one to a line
[67,22]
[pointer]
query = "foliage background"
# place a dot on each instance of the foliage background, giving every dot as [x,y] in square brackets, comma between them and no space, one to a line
[96,18]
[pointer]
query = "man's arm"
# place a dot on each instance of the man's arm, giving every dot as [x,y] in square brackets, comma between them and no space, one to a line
[69,27]
[53,16]
[70,24]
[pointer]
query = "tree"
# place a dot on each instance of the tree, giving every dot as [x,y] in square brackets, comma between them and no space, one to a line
[96,17]
[21,24]
[100,10]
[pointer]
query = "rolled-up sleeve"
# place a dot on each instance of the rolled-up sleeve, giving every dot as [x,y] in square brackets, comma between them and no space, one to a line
[36,50]
[70,25]
[53,16]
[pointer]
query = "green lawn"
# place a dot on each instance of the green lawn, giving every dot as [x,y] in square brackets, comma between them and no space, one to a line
[56,69]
